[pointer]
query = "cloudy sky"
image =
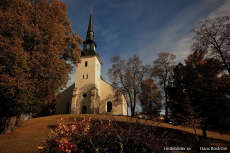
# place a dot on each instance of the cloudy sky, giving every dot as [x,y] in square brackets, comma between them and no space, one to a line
[142,27]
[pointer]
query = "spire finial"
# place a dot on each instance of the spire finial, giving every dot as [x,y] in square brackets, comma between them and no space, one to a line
[91,9]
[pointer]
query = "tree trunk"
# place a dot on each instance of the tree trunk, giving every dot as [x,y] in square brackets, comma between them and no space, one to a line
[166,107]
[10,124]
[166,102]
[132,111]
[204,132]
[166,112]
[20,119]
[224,61]
[2,125]
[30,116]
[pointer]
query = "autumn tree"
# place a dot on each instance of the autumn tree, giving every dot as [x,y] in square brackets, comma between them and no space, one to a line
[15,83]
[199,81]
[127,77]
[162,71]
[50,49]
[213,34]
[150,97]
[36,41]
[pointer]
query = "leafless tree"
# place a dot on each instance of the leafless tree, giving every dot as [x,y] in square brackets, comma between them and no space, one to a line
[213,34]
[126,76]
[162,71]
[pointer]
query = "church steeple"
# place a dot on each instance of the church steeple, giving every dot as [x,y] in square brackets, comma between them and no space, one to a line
[90,33]
[89,44]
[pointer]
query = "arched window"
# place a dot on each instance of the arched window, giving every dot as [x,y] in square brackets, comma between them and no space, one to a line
[84,110]
[109,106]
[86,63]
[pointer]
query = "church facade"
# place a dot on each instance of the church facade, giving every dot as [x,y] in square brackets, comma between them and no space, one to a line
[90,94]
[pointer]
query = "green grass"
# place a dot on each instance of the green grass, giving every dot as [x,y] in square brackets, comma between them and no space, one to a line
[26,139]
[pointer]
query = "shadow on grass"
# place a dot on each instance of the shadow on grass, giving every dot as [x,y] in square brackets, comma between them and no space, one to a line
[68,121]
[52,126]
[178,138]
[185,139]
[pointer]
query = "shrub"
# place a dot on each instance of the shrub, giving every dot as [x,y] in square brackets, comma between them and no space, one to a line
[104,136]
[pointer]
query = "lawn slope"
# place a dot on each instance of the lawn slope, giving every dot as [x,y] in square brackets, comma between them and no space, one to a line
[26,139]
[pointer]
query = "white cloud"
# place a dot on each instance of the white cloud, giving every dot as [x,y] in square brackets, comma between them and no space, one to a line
[182,49]
[221,11]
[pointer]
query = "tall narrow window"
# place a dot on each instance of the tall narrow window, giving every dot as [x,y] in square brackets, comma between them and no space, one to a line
[83,76]
[109,106]
[84,110]
[87,76]
[67,108]
[86,63]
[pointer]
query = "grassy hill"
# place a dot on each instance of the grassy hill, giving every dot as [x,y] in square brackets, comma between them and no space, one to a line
[26,139]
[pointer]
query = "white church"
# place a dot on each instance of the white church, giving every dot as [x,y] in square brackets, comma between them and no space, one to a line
[90,94]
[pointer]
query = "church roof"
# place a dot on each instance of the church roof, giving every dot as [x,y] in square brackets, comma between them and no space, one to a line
[90,33]
[90,26]
[88,52]
[89,41]
[110,85]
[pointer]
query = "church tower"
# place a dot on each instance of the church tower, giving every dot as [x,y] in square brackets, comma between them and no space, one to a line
[90,94]
[86,98]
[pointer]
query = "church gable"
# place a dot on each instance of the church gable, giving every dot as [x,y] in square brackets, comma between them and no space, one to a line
[64,100]
[110,95]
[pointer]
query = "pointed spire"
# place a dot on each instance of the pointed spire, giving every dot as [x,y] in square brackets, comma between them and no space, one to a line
[90,26]
[89,44]
[90,33]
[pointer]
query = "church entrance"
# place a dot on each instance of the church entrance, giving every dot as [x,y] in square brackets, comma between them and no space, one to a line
[84,110]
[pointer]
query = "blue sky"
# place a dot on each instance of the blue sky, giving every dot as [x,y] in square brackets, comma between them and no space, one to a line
[142,27]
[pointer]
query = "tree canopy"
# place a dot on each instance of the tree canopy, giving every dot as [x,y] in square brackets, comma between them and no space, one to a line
[199,83]
[150,98]
[37,52]
[213,34]
[162,70]
[127,77]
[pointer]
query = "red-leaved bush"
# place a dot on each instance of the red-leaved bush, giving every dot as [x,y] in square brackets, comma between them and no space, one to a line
[104,136]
